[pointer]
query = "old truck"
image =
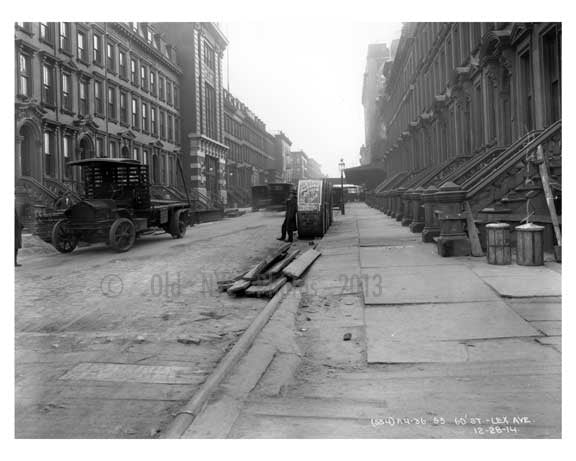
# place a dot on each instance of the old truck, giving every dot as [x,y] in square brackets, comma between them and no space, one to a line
[117,207]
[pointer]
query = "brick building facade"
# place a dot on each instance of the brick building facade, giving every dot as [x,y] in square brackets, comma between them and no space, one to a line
[251,149]
[199,50]
[93,89]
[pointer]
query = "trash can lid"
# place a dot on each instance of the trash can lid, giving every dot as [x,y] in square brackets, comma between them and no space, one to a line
[529,227]
[498,225]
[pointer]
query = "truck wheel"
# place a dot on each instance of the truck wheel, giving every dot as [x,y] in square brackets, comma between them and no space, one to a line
[122,235]
[62,239]
[178,224]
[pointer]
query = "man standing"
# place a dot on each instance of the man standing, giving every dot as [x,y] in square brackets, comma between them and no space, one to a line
[17,237]
[289,224]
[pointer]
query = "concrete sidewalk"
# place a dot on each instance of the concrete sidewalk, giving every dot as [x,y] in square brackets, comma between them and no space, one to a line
[438,347]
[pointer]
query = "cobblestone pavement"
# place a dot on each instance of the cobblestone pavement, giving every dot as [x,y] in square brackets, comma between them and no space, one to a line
[111,345]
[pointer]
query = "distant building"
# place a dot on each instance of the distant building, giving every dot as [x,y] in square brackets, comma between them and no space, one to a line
[251,149]
[313,170]
[301,166]
[372,89]
[282,156]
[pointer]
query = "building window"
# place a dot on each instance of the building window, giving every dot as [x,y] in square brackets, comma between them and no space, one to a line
[112,149]
[135,153]
[144,117]
[81,47]
[110,58]
[25,26]
[47,32]
[123,107]
[66,91]
[134,113]
[133,72]
[153,121]
[145,157]
[48,90]
[66,150]
[169,92]
[122,64]
[525,76]
[99,147]
[153,83]
[65,43]
[170,128]
[149,35]
[98,98]
[210,107]
[112,102]
[478,119]
[551,53]
[176,97]
[143,79]
[209,56]
[97,49]
[49,153]
[176,130]
[84,106]
[24,75]
[161,85]
[162,124]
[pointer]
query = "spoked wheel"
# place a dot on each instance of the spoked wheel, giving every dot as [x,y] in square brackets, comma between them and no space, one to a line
[122,235]
[62,239]
[178,224]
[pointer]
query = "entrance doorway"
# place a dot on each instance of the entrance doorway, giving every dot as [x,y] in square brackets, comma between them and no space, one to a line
[29,154]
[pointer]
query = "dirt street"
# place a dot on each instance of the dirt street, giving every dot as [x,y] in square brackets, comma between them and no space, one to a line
[110,345]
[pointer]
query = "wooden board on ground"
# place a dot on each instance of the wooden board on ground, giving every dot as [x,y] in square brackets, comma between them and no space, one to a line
[277,268]
[267,290]
[238,287]
[253,273]
[299,266]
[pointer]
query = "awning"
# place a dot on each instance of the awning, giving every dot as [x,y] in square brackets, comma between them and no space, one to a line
[368,176]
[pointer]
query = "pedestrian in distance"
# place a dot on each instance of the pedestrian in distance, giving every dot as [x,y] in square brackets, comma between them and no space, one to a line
[289,225]
[17,237]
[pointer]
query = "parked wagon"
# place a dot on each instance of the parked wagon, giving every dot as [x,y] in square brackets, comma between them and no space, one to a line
[271,196]
[314,207]
[117,208]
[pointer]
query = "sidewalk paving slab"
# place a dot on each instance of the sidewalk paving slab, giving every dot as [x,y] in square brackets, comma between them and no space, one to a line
[423,284]
[537,309]
[520,281]
[441,322]
[403,254]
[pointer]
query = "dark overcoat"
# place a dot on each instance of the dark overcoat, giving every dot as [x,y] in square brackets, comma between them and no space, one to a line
[17,230]
[290,217]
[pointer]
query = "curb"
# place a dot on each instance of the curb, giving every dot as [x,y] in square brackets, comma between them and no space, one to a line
[185,416]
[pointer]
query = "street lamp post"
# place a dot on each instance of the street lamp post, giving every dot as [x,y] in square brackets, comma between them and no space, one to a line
[342,165]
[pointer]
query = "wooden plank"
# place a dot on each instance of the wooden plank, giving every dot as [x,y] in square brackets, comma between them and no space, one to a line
[238,286]
[267,290]
[297,267]
[253,273]
[548,193]
[277,268]
[475,245]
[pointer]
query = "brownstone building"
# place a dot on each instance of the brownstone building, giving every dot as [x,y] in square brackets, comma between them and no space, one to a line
[251,150]
[465,107]
[92,89]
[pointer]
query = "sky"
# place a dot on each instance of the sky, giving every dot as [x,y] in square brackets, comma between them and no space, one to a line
[305,79]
